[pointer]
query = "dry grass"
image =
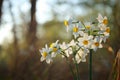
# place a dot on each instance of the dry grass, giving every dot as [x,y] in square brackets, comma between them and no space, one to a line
[115,73]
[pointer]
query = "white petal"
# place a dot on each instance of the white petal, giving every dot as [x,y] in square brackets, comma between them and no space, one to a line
[105,17]
[85,36]
[63,56]
[48,61]
[93,46]
[81,33]
[77,58]
[100,46]
[67,53]
[46,46]
[104,39]
[74,35]
[80,40]
[100,40]
[72,43]
[57,41]
[100,18]
[83,59]
[78,61]
[86,51]
[53,54]
[90,37]
[95,49]
[67,28]
[70,51]
[42,59]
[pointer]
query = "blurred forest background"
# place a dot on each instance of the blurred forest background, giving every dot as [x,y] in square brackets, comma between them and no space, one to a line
[27,25]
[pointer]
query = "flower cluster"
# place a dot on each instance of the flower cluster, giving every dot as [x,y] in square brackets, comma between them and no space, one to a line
[87,36]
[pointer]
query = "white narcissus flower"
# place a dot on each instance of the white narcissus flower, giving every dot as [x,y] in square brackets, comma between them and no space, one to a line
[68,23]
[88,25]
[81,33]
[81,55]
[66,48]
[107,31]
[45,52]
[85,41]
[72,43]
[76,31]
[104,38]
[101,27]
[55,48]
[102,20]
[96,43]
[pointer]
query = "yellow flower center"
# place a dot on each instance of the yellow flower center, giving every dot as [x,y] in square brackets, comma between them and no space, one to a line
[108,30]
[45,54]
[66,23]
[75,29]
[96,44]
[52,45]
[55,49]
[88,26]
[105,21]
[85,42]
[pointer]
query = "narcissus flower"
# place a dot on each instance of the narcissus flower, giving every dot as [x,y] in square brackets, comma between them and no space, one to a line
[45,52]
[68,23]
[107,31]
[81,56]
[85,41]
[88,25]
[96,43]
[66,48]
[74,45]
[55,48]
[76,30]
[102,20]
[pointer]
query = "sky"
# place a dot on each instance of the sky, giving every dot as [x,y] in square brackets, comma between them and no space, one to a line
[5,32]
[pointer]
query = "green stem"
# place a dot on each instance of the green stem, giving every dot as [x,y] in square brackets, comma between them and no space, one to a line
[77,71]
[77,74]
[90,65]
[76,68]
[76,65]
[70,66]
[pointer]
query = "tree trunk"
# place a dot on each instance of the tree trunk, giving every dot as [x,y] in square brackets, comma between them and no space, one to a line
[1,2]
[116,18]
[16,52]
[32,25]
